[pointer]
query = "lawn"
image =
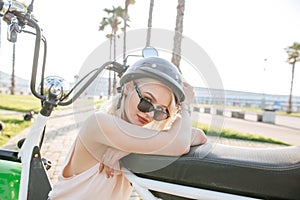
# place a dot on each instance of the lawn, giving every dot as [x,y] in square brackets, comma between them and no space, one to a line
[13,125]
[21,103]
[229,133]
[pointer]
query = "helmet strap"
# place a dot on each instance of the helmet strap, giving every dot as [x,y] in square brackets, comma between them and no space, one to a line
[120,99]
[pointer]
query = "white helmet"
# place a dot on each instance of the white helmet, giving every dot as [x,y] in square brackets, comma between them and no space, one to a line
[159,69]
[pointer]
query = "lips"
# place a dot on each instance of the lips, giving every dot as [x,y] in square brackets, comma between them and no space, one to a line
[142,119]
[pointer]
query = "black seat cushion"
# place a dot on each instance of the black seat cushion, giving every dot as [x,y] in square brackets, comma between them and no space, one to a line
[255,172]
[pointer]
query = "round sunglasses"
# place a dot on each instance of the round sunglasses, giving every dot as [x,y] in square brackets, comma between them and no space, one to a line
[146,106]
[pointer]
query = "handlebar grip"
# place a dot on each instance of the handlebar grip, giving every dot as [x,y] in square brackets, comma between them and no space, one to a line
[3,7]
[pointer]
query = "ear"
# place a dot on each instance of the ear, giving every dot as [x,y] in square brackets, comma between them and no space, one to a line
[128,87]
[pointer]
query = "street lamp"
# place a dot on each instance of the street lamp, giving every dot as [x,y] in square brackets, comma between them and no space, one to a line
[263,101]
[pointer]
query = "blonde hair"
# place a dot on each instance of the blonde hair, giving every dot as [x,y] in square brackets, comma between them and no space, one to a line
[111,107]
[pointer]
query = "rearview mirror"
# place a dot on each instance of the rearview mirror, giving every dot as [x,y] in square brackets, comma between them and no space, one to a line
[149,52]
[55,88]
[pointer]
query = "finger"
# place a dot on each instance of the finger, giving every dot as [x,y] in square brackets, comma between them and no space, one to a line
[101,167]
[106,172]
[185,83]
[109,172]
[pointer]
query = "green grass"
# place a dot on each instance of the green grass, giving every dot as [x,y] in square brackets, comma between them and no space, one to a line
[98,103]
[16,124]
[13,125]
[21,103]
[229,133]
[291,114]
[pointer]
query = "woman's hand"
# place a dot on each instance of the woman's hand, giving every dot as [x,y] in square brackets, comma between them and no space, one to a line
[110,161]
[108,170]
[198,137]
[189,93]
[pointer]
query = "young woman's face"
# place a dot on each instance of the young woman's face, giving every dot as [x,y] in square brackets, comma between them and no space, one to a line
[155,92]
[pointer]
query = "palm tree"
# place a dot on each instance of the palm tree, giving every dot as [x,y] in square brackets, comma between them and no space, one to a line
[293,57]
[176,54]
[105,21]
[126,19]
[12,87]
[113,21]
[149,23]
[0,39]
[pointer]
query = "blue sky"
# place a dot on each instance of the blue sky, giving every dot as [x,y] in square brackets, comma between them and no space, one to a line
[245,39]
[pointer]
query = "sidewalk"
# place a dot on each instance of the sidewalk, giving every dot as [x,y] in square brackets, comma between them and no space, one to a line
[61,131]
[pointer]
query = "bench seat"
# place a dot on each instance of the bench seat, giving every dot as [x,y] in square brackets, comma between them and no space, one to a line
[272,173]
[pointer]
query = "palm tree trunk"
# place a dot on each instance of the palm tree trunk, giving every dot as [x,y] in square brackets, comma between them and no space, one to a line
[109,72]
[0,37]
[0,40]
[289,108]
[12,87]
[176,55]
[127,2]
[114,91]
[149,23]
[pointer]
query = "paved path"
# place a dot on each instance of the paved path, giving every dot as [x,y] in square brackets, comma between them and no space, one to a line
[62,129]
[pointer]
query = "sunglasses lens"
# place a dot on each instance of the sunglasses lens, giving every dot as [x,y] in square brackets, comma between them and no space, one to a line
[145,106]
[160,115]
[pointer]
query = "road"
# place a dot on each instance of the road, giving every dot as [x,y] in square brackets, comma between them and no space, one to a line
[286,128]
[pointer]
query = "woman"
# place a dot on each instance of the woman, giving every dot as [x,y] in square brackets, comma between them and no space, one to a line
[150,116]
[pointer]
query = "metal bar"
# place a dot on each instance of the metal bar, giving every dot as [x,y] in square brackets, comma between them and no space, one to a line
[143,185]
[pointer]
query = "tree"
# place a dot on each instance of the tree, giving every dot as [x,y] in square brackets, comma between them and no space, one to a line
[105,21]
[0,36]
[293,57]
[126,19]
[12,87]
[113,21]
[0,39]
[149,23]
[176,54]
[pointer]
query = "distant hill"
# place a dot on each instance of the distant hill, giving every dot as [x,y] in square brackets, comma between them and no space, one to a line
[21,85]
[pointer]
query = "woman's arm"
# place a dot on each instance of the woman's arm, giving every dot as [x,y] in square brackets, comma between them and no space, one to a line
[101,128]
[112,156]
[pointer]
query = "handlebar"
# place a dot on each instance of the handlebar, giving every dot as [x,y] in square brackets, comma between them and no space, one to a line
[96,71]
[19,15]
[4,6]
[12,6]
